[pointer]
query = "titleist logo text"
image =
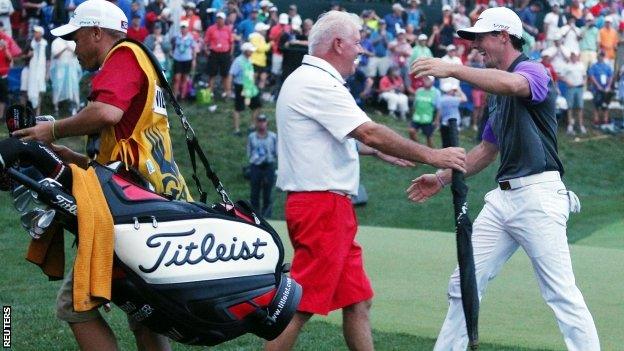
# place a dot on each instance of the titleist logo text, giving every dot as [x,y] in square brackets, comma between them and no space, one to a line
[208,250]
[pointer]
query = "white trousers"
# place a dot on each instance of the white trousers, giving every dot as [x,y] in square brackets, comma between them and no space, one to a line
[396,101]
[533,217]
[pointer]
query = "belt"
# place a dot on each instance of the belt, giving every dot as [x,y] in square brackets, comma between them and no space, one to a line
[515,183]
[341,193]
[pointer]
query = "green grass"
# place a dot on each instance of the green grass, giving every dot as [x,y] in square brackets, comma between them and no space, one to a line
[409,268]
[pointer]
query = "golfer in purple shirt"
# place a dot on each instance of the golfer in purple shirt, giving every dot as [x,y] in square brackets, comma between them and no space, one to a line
[530,206]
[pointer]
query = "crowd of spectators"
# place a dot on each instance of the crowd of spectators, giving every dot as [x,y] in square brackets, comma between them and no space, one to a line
[200,44]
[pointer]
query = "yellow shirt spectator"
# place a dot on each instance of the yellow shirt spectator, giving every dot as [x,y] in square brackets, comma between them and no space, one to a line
[257,39]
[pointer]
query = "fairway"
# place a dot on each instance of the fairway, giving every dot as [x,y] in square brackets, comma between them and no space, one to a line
[410,269]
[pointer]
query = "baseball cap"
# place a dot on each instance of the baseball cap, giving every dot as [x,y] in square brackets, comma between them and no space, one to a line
[422,37]
[451,47]
[447,86]
[273,9]
[494,20]
[608,19]
[398,6]
[92,13]
[220,15]
[38,29]
[184,24]
[248,47]
[262,117]
[259,27]
[283,18]
[265,3]
[447,8]
[190,5]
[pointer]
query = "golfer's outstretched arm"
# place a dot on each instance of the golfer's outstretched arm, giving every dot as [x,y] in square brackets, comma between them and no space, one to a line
[493,81]
[427,185]
[389,142]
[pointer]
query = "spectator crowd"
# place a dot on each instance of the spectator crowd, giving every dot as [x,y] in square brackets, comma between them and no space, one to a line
[242,50]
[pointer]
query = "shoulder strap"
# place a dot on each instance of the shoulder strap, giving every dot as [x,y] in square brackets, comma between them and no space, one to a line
[192,144]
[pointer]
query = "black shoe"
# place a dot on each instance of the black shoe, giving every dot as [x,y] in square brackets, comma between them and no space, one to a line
[238,133]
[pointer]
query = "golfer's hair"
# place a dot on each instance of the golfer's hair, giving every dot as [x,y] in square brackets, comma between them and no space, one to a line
[115,34]
[329,26]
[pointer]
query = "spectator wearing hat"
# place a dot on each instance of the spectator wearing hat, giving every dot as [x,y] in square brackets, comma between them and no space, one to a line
[552,22]
[264,13]
[370,19]
[246,93]
[6,10]
[154,13]
[574,76]
[194,22]
[262,156]
[546,57]
[608,38]
[453,58]
[277,56]
[589,41]
[367,49]
[65,74]
[410,35]
[247,26]
[448,108]
[219,45]
[392,91]
[420,49]
[259,56]
[400,51]
[394,20]
[600,79]
[184,56]
[294,18]
[33,80]
[136,31]
[444,34]
[273,17]
[425,103]
[379,64]
[415,15]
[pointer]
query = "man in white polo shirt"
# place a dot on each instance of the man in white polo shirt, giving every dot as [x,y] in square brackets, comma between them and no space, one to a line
[318,122]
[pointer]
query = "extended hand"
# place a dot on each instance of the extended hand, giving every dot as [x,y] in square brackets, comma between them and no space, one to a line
[41,132]
[423,187]
[428,66]
[450,157]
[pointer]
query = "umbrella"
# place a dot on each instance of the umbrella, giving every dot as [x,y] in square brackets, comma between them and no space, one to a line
[465,258]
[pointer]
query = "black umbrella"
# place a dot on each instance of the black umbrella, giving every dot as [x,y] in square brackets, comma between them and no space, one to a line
[465,258]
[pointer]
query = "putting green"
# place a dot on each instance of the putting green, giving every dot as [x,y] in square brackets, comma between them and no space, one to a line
[410,269]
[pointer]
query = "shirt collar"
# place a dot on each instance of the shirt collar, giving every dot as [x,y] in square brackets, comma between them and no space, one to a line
[324,65]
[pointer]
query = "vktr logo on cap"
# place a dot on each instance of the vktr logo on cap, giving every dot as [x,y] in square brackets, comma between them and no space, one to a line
[124,25]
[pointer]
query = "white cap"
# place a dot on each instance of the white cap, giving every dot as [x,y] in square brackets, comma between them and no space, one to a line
[220,15]
[91,13]
[400,31]
[265,3]
[283,18]
[184,24]
[589,17]
[494,20]
[550,52]
[38,29]
[608,19]
[273,9]
[397,6]
[447,86]
[259,27]
[190,5]
[248,47]
[451,47]
[422,37]
[447,8]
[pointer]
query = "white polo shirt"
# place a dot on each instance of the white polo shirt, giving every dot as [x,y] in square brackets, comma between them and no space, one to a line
[315,113]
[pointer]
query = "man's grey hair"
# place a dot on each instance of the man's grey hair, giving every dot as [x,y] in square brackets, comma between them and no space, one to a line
[329,26]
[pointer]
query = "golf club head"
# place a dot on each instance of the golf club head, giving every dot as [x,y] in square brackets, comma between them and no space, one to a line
[22,198]
[27,218]
[45,219]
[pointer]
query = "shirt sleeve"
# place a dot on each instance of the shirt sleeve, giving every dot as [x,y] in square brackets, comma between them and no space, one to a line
[488,134]
[537,77]
[337,111]
[112,88]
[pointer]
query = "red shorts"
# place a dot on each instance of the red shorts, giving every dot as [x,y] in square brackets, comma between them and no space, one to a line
[327,262]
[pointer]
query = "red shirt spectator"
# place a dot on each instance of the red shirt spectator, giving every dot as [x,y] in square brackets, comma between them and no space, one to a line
[139,34]
[387,83]
[126,91]
[274,36]
[5,62]
[219,39]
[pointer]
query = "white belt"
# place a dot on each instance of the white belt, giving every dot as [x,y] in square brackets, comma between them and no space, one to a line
[510,184]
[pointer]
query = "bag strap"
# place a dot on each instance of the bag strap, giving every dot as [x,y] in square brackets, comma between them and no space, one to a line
[192,144]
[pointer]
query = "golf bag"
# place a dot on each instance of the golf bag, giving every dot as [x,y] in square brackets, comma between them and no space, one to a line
[199,274]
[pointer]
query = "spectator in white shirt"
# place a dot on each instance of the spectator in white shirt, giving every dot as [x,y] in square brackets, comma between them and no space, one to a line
[552,22]
[571,34]
[574,76]
[451,57]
